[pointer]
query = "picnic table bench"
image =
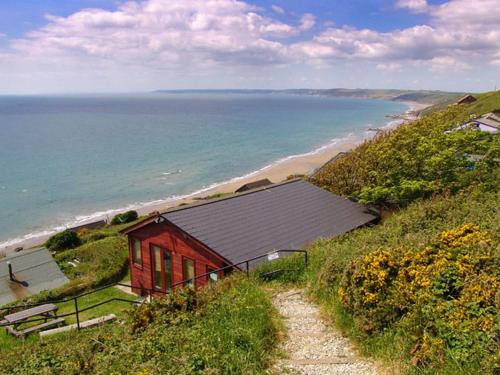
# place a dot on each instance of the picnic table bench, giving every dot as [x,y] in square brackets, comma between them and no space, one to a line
[47,311]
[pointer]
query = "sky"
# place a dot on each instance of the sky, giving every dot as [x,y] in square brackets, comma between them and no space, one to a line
[84,46]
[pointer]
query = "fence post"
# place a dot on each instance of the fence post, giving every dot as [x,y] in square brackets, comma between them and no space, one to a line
[247,267]
[305,256]
[77,314]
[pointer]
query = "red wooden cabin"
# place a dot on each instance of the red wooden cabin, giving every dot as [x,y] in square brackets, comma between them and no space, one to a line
[162,256]
[180,246]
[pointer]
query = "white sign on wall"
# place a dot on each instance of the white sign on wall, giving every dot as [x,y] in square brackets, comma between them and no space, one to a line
[273,256]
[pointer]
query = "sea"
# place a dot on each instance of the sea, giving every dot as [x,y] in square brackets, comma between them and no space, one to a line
[70,159]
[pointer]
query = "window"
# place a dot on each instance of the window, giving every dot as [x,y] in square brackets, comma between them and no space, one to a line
[136,252]
[212,275]
[162,268]
[167,264]
[157,279]
[188,271]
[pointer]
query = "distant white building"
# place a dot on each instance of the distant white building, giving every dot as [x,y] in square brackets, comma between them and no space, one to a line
[489,123]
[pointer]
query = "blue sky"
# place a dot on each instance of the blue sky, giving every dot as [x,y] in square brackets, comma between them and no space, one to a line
[113,45]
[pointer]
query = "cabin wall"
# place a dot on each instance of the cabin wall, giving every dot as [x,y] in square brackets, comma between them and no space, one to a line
[168,237]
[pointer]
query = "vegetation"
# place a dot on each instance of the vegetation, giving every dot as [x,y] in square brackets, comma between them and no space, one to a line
[416,160]
[422,96]
[10,346]
[63,241]
[420,290]
[442,294]
[415,232]
[93,264]
[101,259]
[97,263]
[228,329]
[125,217]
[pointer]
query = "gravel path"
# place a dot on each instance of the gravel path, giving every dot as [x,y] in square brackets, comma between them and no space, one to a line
[313,347]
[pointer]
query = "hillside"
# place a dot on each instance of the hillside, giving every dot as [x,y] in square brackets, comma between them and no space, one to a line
[230,328]
[420,290]
[421,96]
[417,160]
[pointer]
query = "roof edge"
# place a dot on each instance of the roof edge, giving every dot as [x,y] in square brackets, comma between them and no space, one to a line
[22,253]
[151,219]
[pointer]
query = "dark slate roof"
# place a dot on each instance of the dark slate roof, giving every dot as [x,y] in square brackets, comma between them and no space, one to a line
[339,156]
[254,185]
[94,225]
[36,268]
[282,216]
[466,98]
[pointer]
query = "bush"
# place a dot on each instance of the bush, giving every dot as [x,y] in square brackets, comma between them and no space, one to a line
[230,328]
[63,241]
[413,161]
[101,262]
[444,295]
[125,217]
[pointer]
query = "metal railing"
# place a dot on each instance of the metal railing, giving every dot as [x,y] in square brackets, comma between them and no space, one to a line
[149,291]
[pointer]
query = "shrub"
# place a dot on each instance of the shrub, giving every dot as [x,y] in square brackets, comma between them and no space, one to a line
[444,295]
[125,217]
[413,161]
[230,328]
[63,241]
[101,262]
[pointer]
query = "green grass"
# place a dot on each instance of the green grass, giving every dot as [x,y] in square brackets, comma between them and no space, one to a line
[412,227]
[487,102]
[395,167]
[114,307]
[9,344]
[231,328]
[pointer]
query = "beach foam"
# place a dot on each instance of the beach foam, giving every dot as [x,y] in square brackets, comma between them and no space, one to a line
[277,170]
[334,143]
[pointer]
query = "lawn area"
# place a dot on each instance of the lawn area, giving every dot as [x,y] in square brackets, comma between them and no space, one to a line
[114,307]
[8,343]
[230,328]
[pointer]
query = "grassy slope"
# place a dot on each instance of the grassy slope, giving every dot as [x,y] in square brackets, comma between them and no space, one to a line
[413,227]
[103,259]
[422,96]
[487,102]
[10,345]
[231,330]
[415,160]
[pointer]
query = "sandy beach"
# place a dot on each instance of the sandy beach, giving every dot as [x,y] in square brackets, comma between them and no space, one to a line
[276,172]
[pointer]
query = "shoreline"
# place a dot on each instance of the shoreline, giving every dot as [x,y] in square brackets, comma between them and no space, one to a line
[276,172]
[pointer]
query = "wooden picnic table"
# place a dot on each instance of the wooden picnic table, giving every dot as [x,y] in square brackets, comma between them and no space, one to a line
[48,311]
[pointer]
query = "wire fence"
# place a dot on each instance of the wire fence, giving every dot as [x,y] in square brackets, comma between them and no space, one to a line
[147,292]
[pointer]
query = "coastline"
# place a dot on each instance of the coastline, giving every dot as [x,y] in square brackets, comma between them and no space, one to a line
[277,171]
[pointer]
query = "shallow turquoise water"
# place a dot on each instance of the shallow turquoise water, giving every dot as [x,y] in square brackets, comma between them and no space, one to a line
[62,157]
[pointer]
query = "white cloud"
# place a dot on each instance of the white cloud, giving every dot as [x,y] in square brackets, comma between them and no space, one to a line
[161,31]
[147,39]
[206,32]
[446,64]
[389,67]
[417,6]
[307,22]
[277,9]
[458,31]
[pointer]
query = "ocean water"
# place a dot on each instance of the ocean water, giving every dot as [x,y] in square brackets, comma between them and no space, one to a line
[67,159]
